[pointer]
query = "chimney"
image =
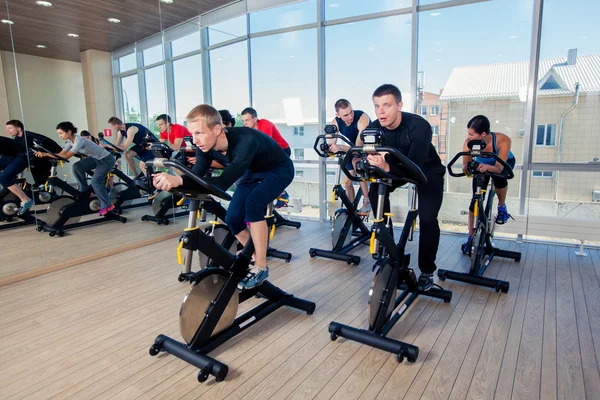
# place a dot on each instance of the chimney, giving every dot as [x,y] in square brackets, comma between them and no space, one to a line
[572,57]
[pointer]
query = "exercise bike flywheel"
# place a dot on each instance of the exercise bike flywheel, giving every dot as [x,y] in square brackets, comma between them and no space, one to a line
[56,208]
[382,291]
[196,303]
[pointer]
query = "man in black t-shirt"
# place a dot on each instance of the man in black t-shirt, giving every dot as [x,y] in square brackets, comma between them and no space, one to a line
[264,168]
[411,134]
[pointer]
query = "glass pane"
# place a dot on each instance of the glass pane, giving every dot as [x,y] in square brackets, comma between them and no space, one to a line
[335,9]
[227,30]
[565,194]
[186,44]
[367,72]
[153,55]
[541,132]
[229,77]
[568,98]
[300,13]
[274,60]
[127,62]
[155,95]
[131,99]
[187,78]
[550,135]
[463,84]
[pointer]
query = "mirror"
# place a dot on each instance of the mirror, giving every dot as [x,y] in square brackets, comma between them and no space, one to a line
[72,66]
[19,174]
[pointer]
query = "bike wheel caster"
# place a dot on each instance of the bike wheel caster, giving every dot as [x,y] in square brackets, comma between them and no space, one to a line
[442,276]
[154,350]
[160,222]
[355,260]
[504,286]
[312,253]
[203,374]
[52,234]
[144,218]
[400,357]
[181,278]
[39,229]
[334,335]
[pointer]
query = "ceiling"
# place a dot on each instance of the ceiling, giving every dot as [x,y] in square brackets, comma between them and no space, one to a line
[36,25]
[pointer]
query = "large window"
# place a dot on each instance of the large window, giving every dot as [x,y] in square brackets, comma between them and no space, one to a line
[131,99]
[229,77]
[373,61]
[228,30]
[335,9]
[298,13]
[153,55]
[186,44]
[465,83]
[277,58]
[127,62]
[187,79]
[156,95]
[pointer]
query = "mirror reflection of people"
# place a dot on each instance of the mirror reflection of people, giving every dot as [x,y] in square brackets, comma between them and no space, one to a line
[351,123]
[228,119]
[265,170]
[87,135]
[498,143]
[12,166]
[98,162]
[411,134]
[137,134]
[171,134]
[250,120]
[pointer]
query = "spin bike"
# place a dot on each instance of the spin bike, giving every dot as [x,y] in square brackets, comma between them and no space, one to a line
[393,272]
[66,210]
[220,233]
[207,315]
[163,203]
[482,250]
[348,230]
[9,204]
[123,193]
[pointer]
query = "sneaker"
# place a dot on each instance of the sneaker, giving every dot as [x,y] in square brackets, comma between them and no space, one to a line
[503,215]
[282,200]
[25,207]
[466,247]
[255,277]
[104,211]
[425,282]
[365,209]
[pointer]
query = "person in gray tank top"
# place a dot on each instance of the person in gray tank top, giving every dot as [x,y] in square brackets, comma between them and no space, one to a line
[97,159]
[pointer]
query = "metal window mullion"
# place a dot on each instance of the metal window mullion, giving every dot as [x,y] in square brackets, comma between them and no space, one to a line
[205,61]
[534,59]
[170,82]
[447,4]
[322,94]
[249,45]
[414,59]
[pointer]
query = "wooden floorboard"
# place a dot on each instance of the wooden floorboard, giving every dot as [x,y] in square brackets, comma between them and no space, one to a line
[84,332]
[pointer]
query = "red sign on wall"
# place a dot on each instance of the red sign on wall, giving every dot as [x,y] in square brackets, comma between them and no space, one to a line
[107,132]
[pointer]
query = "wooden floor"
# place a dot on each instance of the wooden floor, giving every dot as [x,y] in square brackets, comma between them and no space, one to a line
[84,332]
[24,250]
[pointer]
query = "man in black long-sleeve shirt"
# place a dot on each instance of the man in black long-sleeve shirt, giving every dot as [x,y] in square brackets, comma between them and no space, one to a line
[411,134]
[11,165]
[265,171]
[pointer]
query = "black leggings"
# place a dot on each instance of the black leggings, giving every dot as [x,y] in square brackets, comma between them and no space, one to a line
[430,201]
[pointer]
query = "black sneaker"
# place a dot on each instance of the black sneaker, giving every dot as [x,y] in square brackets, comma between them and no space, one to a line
[425,282]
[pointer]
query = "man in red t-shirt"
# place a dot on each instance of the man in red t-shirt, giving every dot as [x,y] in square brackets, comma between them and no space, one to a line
[171,134]
[250,120]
